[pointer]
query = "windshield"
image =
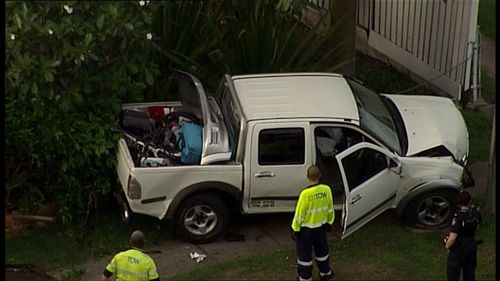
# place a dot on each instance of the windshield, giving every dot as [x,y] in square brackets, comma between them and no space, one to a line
[374,116]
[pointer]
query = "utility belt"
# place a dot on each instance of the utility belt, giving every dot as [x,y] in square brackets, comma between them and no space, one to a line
[465,241]
[471,240]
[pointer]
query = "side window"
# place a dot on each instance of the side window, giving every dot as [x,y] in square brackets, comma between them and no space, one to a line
[283,146]
[327,141]
[362,165]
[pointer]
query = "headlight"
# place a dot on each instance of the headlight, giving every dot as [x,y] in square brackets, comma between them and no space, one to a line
[134,188]
[462,161]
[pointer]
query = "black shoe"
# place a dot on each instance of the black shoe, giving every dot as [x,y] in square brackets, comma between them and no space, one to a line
[326,277]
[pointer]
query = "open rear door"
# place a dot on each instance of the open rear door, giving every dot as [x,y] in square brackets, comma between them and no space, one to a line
[215,135]
[371,179]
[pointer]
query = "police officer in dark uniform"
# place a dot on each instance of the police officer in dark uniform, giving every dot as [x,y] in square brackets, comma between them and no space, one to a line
[460,242]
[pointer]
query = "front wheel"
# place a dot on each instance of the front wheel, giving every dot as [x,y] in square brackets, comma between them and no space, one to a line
[202,218]
[431,210]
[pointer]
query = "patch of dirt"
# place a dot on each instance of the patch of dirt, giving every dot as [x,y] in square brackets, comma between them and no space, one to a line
[31,274]
[15,226]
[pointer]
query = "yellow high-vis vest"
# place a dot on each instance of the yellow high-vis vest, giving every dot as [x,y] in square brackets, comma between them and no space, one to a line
[133,265]
[314,208]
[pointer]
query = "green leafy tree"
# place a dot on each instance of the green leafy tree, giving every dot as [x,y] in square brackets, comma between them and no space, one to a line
[69,65]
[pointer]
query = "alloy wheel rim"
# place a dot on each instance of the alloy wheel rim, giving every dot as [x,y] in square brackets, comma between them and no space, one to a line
[200,220]
[433,211]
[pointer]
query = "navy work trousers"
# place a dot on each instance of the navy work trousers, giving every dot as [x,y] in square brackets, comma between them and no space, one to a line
[309,239]
[462,257]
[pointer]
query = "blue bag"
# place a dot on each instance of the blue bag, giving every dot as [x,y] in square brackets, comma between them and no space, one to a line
[190,143]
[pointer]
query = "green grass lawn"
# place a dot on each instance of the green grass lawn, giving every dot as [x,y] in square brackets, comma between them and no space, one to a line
[380,250]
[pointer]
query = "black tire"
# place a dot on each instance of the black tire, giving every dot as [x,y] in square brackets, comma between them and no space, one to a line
[431,210]
[201,218]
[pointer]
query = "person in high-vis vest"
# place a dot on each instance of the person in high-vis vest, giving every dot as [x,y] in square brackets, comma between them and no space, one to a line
[314,216]
[133,264]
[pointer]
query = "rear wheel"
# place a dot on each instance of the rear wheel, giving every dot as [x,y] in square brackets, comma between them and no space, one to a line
[431,210]
[202,218]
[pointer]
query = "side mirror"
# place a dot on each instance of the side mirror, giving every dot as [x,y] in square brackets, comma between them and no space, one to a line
[395,166]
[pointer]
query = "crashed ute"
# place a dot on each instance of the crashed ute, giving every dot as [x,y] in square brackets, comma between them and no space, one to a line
[247,148]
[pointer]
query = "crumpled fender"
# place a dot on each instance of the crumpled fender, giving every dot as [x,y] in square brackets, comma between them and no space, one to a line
[434,185]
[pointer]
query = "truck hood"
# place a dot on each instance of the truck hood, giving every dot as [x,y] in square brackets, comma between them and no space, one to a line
[432,121]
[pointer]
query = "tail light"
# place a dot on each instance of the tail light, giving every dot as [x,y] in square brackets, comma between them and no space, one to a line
[134,188]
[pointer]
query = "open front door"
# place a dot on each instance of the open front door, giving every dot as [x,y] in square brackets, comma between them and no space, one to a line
[371,179]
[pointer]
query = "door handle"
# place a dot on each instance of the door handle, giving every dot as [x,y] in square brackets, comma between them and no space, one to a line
[355,198]
[265,175]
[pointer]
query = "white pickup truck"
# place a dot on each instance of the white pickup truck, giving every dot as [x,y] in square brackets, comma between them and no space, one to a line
[260,133]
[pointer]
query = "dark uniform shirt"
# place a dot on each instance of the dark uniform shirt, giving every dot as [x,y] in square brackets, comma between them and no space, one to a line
[464,223]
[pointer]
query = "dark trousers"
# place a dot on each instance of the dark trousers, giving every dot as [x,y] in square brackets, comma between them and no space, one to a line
[309,239]
[462,258]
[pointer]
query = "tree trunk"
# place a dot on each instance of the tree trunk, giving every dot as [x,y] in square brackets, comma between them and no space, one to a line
[344,14]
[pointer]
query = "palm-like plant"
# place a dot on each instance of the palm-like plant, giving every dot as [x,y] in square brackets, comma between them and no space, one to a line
[210,38]
[256,37]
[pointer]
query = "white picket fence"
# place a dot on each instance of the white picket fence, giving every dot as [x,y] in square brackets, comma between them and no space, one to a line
[436,40]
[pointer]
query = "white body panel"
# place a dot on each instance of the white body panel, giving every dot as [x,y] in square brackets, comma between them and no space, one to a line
[157,182]
[418,170]
[432,121]
[303,95]
[275,187]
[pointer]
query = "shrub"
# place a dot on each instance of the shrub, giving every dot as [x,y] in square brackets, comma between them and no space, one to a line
[69,65]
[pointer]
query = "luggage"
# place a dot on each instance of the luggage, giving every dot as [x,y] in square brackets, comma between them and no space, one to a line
[136,122]
[190,143]
[156,112]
